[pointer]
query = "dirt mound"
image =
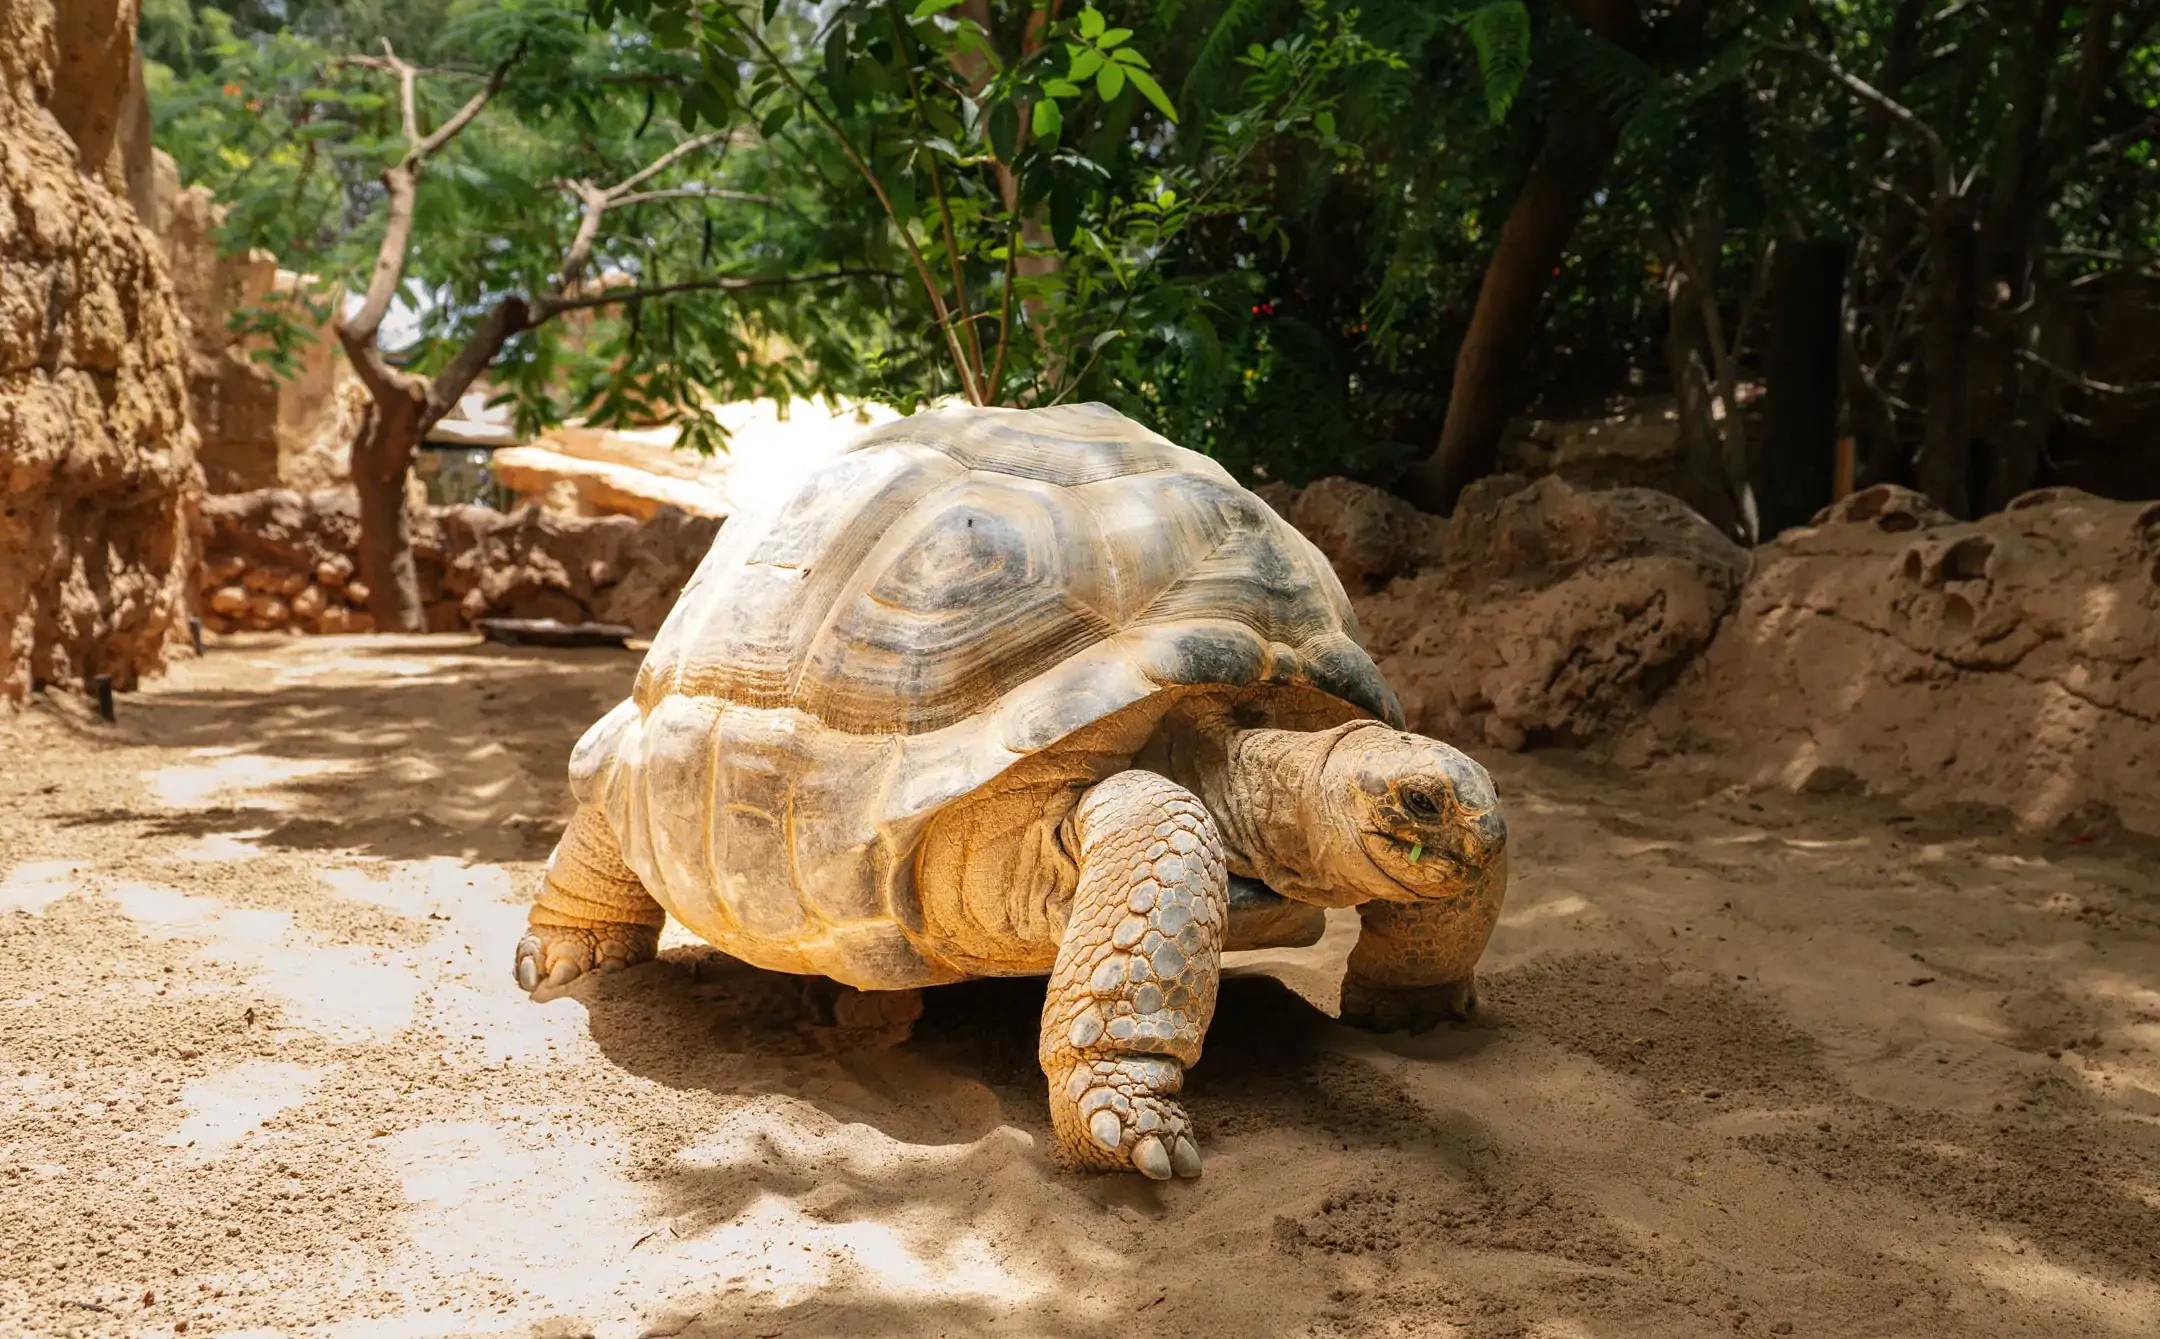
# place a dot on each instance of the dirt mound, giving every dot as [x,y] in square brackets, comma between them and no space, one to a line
[2008,662]
[1558,615]
[96,456]
[281,561]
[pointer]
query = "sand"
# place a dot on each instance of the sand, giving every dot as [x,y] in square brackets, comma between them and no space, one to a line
[1752,1064]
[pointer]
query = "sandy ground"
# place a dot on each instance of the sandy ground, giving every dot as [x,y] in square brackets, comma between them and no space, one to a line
[1752,1064]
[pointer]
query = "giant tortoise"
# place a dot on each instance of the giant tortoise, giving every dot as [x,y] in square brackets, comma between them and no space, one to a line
[1023,692]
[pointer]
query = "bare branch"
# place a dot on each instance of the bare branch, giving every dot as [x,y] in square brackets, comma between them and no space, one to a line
[508,317]
[550,307]
[697,193]
[2087,384]
[1938,156]
[402,181]
[669,159]
[463,116]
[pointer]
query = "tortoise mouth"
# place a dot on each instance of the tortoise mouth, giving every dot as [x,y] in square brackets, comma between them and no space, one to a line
[1450,867]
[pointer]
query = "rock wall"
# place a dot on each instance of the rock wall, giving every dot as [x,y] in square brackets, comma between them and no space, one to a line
[2012,662]
[283,561]
[98,480]
[250,423]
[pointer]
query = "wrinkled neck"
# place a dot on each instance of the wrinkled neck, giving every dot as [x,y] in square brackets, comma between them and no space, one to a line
[1275,809]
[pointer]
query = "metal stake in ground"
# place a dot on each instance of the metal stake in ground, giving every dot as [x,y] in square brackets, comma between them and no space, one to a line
[103,684]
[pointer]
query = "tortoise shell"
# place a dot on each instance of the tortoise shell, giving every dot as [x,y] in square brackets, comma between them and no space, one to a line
[957,592]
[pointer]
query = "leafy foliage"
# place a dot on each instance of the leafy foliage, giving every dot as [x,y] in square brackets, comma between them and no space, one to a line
[1259,225]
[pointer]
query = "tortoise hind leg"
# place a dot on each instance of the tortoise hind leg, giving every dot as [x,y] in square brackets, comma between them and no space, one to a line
[1133,990]
[592,913]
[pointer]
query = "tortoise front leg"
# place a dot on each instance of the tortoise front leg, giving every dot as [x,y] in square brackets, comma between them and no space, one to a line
[1415,963]
[1134,986]
[592,913]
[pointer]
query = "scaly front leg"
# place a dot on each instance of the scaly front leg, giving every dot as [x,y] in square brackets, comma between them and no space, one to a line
[1133,990]
[592,913]
[1415,963]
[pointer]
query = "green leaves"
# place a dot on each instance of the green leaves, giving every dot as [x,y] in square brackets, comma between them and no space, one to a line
[1110,81]
[1500,34]
[1047,120]
[1152,91]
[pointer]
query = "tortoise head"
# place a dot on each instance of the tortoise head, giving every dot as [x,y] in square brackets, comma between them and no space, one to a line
[1412,819]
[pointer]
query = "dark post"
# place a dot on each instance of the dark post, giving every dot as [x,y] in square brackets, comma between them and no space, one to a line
[194,627]
[103,684]
[1800,407]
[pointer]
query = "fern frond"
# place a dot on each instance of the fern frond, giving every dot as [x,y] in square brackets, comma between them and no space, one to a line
[1500,34]
[1218,53]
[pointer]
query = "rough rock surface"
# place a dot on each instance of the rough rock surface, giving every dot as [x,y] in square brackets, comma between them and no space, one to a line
[1368,535]
[2012,662]
[599,487]
[1558,616]
[279,560]
[249,421]
[98,479]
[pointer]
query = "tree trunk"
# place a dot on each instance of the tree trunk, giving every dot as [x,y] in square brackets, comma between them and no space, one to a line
[1579,138]
[1799,455]
[1944,468]
[381,459]
[1706,483]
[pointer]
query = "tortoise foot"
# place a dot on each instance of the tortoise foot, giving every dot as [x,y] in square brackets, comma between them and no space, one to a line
[550,957]
[847,1019]
[1379,1008]
[1115,1115]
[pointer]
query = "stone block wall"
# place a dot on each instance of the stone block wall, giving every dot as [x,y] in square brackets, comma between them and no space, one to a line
[283,561]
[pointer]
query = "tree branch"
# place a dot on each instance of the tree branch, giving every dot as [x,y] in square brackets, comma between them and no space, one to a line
[877,188]
[669,159]
[402,181]
[698,193]
[1939,166]
[463,116]
[508,317]
[550,307]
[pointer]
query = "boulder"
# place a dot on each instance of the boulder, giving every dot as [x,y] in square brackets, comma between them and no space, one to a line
[1367,535]
[1557,617]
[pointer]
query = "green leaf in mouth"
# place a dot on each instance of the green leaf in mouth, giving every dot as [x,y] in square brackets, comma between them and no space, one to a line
[1417,849]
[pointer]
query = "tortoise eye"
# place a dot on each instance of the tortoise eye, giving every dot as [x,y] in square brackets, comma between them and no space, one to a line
[1421,804]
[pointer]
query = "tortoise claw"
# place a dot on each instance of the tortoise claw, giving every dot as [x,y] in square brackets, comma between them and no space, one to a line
[1150,1158]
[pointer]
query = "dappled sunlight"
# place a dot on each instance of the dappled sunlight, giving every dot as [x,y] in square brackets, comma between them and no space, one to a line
[35,885]
[223,1108]
[1778,1030]
[340,993]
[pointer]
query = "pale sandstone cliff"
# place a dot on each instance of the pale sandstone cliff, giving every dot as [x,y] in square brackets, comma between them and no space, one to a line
[98,480]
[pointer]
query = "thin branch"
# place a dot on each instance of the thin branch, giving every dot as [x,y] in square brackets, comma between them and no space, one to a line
[463,116]
[1938,156]
[855,160]
[551,307]
[402,182]
[697,193]
[2087,384]
[952,242]
[669,159]
[1005,305]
